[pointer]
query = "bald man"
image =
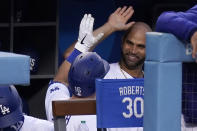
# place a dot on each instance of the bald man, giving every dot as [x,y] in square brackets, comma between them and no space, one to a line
[132,54]
[132,59]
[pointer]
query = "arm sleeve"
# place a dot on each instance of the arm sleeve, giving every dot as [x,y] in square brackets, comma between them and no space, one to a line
[177,23]
[191,14]
[55,91]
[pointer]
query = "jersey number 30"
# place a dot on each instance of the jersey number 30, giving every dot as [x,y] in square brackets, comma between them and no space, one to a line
[133,108]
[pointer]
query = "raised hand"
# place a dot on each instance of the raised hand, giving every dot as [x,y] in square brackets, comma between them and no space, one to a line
[86,39]
[194,45]
[118,20]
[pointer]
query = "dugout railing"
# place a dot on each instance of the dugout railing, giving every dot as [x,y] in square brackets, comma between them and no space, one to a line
[163,81]
[72,107]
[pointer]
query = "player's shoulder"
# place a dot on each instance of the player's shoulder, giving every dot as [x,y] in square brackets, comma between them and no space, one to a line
[36,124]
[36,120]
[113,71]
[56,88]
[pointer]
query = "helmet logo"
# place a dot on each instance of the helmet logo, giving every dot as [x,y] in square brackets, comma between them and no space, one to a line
[78,91]
[4,110]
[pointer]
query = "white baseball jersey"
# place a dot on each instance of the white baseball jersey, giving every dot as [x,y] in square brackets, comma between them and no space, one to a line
[58,91]
[115,72]
[35,124]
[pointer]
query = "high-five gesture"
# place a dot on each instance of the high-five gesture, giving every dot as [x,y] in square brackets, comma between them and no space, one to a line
[118,20]
[86,39]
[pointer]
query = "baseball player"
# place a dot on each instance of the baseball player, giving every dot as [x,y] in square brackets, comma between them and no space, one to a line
[11,116]
[133,48]
[184,26]
[133,44]
[181,24]
[79,70]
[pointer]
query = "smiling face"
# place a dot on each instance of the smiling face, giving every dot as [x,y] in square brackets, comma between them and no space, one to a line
[133,48]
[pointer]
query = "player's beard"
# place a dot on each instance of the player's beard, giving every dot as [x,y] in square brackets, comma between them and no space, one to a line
[132,64]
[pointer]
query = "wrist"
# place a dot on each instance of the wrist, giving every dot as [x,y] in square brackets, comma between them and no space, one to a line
[81,47]
[110,27]
[73,55]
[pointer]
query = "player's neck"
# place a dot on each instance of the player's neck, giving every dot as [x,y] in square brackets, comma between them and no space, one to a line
[137,72]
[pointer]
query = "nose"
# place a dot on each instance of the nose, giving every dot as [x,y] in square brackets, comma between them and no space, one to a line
[134,49]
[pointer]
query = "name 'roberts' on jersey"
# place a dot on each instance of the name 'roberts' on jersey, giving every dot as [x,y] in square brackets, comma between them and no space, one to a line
[131,90]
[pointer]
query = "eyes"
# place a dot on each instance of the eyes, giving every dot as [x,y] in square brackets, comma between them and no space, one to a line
[140,46]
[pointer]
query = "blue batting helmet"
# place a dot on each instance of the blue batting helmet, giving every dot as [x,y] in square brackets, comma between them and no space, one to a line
[10,107]
[84,70]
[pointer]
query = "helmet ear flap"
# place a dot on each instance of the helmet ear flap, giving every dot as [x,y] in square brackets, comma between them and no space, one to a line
[84,70]
[10,107]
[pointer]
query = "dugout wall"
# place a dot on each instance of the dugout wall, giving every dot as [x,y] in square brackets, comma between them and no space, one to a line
[163,81]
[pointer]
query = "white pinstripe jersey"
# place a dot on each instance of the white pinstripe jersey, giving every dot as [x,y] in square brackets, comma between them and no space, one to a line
[35,124]
[59,91]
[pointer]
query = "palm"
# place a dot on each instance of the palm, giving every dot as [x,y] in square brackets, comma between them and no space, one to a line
[118,20]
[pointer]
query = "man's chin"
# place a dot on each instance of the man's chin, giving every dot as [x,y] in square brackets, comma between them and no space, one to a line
[131,65]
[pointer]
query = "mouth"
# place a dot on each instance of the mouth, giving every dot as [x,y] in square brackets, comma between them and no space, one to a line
[133,58]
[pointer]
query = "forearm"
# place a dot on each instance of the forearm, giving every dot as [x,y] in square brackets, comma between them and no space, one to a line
[172,22]
[117,21]
[107,29]
[191,14]
[62,74]
[69,50]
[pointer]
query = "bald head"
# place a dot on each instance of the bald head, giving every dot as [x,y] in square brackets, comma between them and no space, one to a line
[138,27]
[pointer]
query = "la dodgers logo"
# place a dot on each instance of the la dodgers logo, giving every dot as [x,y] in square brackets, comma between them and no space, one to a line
[78,90]
[4,110]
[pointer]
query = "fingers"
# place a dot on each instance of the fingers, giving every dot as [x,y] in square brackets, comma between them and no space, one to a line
[128,13]
[87,23]
[91,23]
[117,10]
[82,24]
[125,12]
[122,10]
